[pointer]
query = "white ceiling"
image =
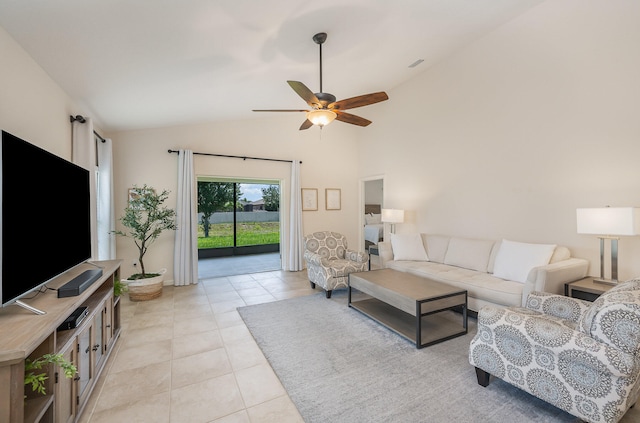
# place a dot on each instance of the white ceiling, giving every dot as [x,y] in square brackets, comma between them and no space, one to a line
[134,64]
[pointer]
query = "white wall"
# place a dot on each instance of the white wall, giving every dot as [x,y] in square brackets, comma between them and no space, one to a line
[32,106]
[373,193]
[509,136]
[329,160]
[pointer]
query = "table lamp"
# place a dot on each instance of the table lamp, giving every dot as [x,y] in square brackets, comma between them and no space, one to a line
[392,216]
[609,223]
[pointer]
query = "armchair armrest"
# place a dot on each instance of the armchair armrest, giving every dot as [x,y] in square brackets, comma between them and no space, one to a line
[552,277]
[611,360]
[385,253]
[313,258]
[557,305]
[357,256]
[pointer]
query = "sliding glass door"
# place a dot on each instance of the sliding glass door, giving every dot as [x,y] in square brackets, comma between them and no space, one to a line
[238,217]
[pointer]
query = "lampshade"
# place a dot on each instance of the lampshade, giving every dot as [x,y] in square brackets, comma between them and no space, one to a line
[321,117]
[392,215]
[609,221]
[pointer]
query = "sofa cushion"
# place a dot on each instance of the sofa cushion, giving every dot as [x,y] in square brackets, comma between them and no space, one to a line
[469,253]
[492,257]
[481,286]
[515,260]
[436,246]
[408,247]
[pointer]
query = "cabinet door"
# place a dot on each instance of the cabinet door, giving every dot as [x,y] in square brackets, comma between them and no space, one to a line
[65,397]
[85,362]
[108,324]
[98,340]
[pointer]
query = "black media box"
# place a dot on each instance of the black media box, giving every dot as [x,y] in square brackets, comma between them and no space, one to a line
[79,284]
[75,319]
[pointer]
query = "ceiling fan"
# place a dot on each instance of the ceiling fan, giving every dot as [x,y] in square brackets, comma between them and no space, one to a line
[324,107]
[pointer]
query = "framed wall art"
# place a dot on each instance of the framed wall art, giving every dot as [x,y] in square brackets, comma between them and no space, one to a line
[332,198]
[309,199]
[136,193]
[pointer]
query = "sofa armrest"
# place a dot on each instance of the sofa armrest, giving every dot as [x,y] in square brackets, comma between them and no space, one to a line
[557,305]
[357,256]
[385,253]
[552,277]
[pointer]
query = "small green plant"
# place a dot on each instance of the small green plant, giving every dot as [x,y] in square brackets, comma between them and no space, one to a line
[37,380]
[119,287]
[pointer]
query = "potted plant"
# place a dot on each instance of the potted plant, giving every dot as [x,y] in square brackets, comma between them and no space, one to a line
[145,218]
[119,287]
[37,381]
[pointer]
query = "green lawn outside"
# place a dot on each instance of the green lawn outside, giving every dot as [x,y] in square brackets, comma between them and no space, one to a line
[249,233]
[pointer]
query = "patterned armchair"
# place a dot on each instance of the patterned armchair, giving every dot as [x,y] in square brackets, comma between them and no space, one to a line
[329,261]
[581,357]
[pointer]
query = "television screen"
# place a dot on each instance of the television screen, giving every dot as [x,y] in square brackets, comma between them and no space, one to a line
[45,222]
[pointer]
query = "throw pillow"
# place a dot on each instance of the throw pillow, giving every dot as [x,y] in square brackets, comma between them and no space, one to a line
[372,219]
[408,247]
[515,260]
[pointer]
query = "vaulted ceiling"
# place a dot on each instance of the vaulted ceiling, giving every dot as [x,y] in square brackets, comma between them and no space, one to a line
[147,63]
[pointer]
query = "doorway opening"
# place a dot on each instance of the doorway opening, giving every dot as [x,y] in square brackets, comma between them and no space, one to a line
[371,203]
[238,218]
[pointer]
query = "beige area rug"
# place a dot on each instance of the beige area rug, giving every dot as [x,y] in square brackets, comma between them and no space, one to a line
[340,366]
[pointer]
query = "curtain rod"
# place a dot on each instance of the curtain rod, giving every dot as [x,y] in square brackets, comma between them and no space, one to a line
[98,135]
[81,119]
[236,157]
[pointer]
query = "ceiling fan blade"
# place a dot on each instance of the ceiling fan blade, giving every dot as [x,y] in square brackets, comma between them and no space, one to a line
[306,124]
[352,119]
[359,101]
[304,92]
[279,110]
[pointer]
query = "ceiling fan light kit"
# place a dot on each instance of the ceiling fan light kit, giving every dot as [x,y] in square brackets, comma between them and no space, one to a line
[324,107]
[321,117]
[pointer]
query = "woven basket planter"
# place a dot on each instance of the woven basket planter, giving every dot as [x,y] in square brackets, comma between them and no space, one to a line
[146,289]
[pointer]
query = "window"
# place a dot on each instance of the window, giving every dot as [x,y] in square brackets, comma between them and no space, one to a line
[238,217]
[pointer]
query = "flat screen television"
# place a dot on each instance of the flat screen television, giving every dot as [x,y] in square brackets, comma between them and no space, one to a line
[45,217]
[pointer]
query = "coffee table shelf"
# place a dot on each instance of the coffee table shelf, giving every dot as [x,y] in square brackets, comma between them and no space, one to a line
[415,308]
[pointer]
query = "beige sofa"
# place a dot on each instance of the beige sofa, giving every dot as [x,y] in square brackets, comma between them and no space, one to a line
[471,264]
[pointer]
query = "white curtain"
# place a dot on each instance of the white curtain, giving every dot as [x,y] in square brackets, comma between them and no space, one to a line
[185,256]
[295,247]
[84,155]
[106,214]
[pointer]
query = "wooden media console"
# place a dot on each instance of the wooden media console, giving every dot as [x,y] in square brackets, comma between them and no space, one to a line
[24,334]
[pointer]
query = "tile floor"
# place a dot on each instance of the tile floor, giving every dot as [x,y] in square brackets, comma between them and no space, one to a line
[188,357]
[238,265]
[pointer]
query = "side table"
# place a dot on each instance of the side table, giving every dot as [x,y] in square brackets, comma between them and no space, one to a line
[585,289]
[373,251]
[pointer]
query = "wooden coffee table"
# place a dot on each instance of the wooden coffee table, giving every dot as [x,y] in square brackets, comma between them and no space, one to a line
[416,308]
